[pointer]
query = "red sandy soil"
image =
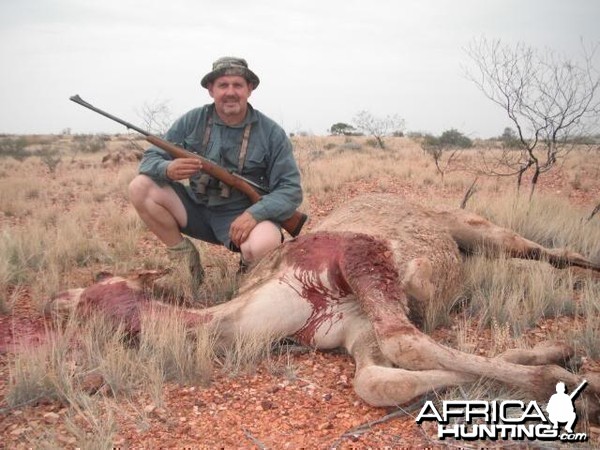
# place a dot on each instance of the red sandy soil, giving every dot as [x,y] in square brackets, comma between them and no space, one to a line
[313,407]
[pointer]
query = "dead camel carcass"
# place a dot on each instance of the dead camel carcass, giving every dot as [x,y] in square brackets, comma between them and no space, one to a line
[360,281]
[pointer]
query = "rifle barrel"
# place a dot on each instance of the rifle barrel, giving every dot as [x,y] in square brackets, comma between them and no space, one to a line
[77,99]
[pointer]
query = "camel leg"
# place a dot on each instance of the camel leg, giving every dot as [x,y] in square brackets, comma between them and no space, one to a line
[377,382]
[380,384]
[384,301]
[409,348]
[472,232]
[389,386]
[545,353]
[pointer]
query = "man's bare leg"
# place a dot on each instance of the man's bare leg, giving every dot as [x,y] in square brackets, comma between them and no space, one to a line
[159,208]
[163,212]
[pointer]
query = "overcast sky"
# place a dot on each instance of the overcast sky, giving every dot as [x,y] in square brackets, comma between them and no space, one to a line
[320,62]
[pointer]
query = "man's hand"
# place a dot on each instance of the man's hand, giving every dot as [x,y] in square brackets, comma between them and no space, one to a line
[241,227]
[183,168]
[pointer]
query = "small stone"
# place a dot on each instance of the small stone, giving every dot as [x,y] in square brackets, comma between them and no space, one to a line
[51,417]
[92,382]
[267,404]
[325,426]
[69,440]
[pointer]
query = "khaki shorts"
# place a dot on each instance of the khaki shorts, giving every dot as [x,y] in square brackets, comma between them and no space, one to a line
[207,224]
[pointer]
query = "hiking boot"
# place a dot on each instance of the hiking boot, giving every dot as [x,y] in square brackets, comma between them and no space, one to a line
[183,285]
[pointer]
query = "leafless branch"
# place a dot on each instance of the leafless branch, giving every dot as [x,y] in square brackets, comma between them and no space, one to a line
[549,99]
[470,192]
[595,211]
[255,441]
[368,426]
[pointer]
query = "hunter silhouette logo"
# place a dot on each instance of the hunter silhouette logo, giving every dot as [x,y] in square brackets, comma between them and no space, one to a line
[560,406]
[507,419]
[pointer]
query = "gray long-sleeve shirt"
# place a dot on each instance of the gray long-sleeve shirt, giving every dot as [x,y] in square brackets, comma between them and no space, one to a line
[269,161]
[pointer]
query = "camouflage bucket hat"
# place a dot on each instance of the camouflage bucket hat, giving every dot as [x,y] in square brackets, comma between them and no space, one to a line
[229,65]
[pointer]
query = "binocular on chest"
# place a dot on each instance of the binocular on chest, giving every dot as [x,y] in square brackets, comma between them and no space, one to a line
[206,183]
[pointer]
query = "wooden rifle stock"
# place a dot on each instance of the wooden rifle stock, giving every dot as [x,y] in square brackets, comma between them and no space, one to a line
[293,225]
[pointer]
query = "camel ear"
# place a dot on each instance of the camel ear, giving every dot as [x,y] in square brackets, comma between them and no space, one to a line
[63,304]
[144,277]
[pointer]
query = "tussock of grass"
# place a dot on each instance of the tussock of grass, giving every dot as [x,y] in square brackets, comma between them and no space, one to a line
[247,350]
[102,352]
[6,277]
[92,424]
[27,379]
[587,337]
[105,351]
[176,354]
[25,253]
[517,293]
[123,231]
[47,371]
[221,282]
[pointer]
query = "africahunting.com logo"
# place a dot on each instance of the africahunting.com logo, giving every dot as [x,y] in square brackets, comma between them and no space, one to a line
[507,419]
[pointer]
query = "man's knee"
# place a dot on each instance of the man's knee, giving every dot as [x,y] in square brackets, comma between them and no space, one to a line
[265,237]
[139,188]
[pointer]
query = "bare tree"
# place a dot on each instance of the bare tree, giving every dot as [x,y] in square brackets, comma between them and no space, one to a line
[378,127]
[549,99]
[156,116]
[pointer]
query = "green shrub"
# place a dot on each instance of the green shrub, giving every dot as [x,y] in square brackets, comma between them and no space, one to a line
[14,147]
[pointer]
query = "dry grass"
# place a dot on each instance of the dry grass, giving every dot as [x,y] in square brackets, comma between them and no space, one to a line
[325,171]
[55,232]
[175,353]
[47,371]
[519,294]
[247,350]
[586,338]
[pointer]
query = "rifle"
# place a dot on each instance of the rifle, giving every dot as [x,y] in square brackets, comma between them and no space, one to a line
[577,390]
[293,225]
